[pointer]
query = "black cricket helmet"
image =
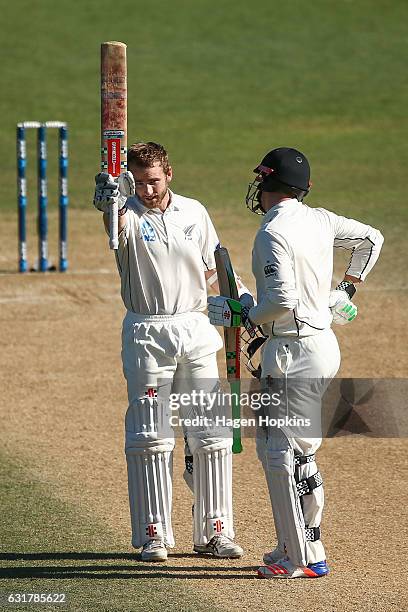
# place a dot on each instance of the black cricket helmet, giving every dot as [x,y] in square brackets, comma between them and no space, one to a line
[283,169]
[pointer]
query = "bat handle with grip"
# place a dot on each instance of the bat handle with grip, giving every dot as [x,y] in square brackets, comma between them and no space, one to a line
[236,442]
[236,415]
[113,227]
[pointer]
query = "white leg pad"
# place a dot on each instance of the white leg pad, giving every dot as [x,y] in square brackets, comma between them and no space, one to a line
[261,445]
[212,479]
[286,506]
[150,497]
[149,461]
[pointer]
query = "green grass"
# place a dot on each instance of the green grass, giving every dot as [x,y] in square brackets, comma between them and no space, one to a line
[48,546]
[220,83]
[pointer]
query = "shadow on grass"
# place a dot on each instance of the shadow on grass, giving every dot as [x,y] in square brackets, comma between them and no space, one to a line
[43,556]
[115,572]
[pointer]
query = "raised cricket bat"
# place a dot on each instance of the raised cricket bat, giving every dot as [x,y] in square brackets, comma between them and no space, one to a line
[232,340]
[113,119]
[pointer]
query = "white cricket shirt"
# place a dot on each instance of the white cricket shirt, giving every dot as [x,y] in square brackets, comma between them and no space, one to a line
[162,257]
[292,261]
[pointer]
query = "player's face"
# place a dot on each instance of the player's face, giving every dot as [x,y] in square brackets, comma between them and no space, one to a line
[152,185]
[267,200]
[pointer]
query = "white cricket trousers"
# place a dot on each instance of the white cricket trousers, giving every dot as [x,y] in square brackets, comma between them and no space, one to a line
[165,355]
[306,366]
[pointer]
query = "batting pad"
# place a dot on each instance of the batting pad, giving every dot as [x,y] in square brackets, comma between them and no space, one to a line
[261,443]
[150,497]
[212,479]
[149,462]
[286,506]
[312,508]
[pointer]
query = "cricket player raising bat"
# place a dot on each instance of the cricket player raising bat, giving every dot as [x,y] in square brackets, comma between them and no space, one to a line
[165,254]
[292,261]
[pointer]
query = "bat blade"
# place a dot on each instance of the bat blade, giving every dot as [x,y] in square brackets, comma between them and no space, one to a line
[232,339]
[113,119]
[228,288]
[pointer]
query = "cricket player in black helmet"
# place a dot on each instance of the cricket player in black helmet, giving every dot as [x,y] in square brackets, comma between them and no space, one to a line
[292,261]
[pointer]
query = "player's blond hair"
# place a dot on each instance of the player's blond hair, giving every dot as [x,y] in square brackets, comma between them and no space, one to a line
[146,154]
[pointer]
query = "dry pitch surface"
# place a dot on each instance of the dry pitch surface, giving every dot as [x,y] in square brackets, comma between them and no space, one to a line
[62,379]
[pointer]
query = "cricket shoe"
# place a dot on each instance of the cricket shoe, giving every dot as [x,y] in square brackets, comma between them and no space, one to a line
[275,555]
[285,569]
[220,546]
[154,550]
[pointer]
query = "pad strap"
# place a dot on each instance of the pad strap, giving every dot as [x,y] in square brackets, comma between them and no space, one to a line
[312,534]
[307,485]
[304,459]
[154,531]
[211,279]
[217,526]
[189,463]
[348,287]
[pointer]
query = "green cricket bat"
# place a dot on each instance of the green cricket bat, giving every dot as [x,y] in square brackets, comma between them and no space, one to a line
[232,340]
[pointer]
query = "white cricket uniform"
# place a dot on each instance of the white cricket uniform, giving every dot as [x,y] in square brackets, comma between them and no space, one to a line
[169,346]
[292,262]
[162,257]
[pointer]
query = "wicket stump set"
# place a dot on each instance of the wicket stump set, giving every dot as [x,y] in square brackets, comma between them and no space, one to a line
[43,265]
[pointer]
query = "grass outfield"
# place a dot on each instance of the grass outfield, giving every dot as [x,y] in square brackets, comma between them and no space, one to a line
[219,84]
[48,546]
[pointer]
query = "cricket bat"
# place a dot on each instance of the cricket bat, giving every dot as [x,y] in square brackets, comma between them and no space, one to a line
[232,341]
[113,119]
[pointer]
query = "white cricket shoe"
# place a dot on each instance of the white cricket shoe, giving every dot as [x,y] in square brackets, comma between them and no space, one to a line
[285,569]
[220,546]
[274,555]
[154,550]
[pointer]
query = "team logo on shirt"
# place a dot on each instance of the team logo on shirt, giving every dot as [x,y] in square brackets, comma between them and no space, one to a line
[147,231]
[270,270]
[188,231]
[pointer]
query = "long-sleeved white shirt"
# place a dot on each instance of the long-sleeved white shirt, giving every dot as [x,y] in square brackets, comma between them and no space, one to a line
[292,261]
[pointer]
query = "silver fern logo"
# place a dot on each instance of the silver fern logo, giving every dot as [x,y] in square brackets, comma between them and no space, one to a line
[147,232]
[188,231]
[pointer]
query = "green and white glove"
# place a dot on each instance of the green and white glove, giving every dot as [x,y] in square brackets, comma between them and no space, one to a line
[342,308]
[226,312]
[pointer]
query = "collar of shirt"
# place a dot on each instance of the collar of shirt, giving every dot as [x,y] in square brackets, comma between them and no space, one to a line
[272,212]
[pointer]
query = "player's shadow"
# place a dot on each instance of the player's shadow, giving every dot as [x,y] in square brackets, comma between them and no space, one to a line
[108,571]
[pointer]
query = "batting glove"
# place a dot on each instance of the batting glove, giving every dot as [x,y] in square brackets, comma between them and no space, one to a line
[126,182]
[227,312]
[342,308]
[109,190]
[247,301]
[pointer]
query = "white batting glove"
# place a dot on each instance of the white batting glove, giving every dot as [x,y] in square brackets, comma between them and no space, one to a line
[109,190]
[342,308]
[126,182]
[106,192]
